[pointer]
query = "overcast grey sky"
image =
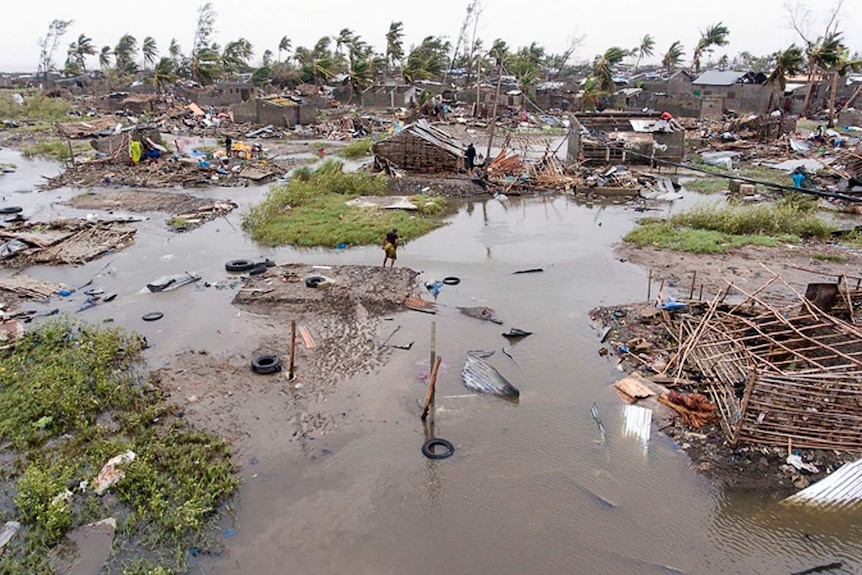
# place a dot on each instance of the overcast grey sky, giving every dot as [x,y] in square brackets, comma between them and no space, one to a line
[758,26]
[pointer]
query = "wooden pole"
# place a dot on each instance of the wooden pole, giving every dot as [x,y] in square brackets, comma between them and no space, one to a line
[494,112]
[433,343]
[432,389]
[71,152]
[292,348]
[649,286]
[691,292]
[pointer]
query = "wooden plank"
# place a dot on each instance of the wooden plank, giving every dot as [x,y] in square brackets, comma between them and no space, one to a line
[419,304]
[635,386]
[306,338]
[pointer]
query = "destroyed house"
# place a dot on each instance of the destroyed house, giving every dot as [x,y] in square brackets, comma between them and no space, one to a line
[557,95]
[280,112]
[744,92]
[420,147]
[223,94]
[628,138]
[782,374]
[389,96]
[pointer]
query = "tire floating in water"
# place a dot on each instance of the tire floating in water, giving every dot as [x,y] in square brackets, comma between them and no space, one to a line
[451,281]
[266,364]
[239,265]
[428,451]
[153,316]
[11,210]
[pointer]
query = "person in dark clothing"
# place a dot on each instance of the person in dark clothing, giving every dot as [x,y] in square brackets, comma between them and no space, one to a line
[390,247]
[228,145]
[470,157]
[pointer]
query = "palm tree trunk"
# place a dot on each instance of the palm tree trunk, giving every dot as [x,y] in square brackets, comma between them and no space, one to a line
[812,71]
[832,94]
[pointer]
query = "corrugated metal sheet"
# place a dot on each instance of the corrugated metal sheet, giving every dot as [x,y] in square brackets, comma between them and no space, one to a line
[637,423]
[719,78]
[840,490]
[424,130]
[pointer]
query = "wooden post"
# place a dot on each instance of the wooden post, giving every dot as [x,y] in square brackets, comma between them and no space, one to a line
[693,279]
[432,389]
[433,343]
[71,152]
[494,113]
[292,348]
[649,286]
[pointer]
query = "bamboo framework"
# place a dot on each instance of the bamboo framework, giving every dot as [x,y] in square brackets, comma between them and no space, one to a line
[780,373]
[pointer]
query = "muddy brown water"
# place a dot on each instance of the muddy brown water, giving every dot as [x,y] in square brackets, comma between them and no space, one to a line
[530,488]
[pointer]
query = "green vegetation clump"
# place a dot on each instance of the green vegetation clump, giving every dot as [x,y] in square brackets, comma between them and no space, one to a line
[714,229]
[72,399]
[34,108]
[357,149]
[53,148]
[834,258]
[310,210]
[707,185]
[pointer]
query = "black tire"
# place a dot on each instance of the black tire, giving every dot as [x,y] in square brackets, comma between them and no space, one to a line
[239,265]
[266,364]
[314,281]
[257,270]
[426,448]
[451,281]
[153,316]
[11,210]
[267,262]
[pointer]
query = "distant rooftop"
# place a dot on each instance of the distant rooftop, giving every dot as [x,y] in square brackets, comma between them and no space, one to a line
[719,78]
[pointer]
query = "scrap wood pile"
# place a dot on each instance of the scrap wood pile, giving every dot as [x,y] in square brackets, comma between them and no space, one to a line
[509,170]
[61,242]
[163,173]
[779,373]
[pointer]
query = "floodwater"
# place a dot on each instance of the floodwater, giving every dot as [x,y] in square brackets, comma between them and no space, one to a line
[531,486]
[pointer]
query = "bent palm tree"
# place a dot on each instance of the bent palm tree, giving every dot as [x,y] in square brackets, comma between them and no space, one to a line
[149,50]
[673,57]
[394,44]
[645,48]
[105,57]
[713,36]
[787,63]
[283,46]
[605,65]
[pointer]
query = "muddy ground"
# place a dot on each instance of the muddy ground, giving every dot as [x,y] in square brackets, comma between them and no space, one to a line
[748,267]
[346,319]
[195,211]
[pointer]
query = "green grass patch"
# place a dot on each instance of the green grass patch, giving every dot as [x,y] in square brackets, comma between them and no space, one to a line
[34,109]
[713,229]
[54,149]
[310,210]
[665,235]
[178,223]
[707,185]
[357,149]
[32,128]
[72,398]
[835,258]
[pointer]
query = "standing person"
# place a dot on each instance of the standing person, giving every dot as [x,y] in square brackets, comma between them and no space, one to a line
[390,247]
[228,145]
[470,157]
